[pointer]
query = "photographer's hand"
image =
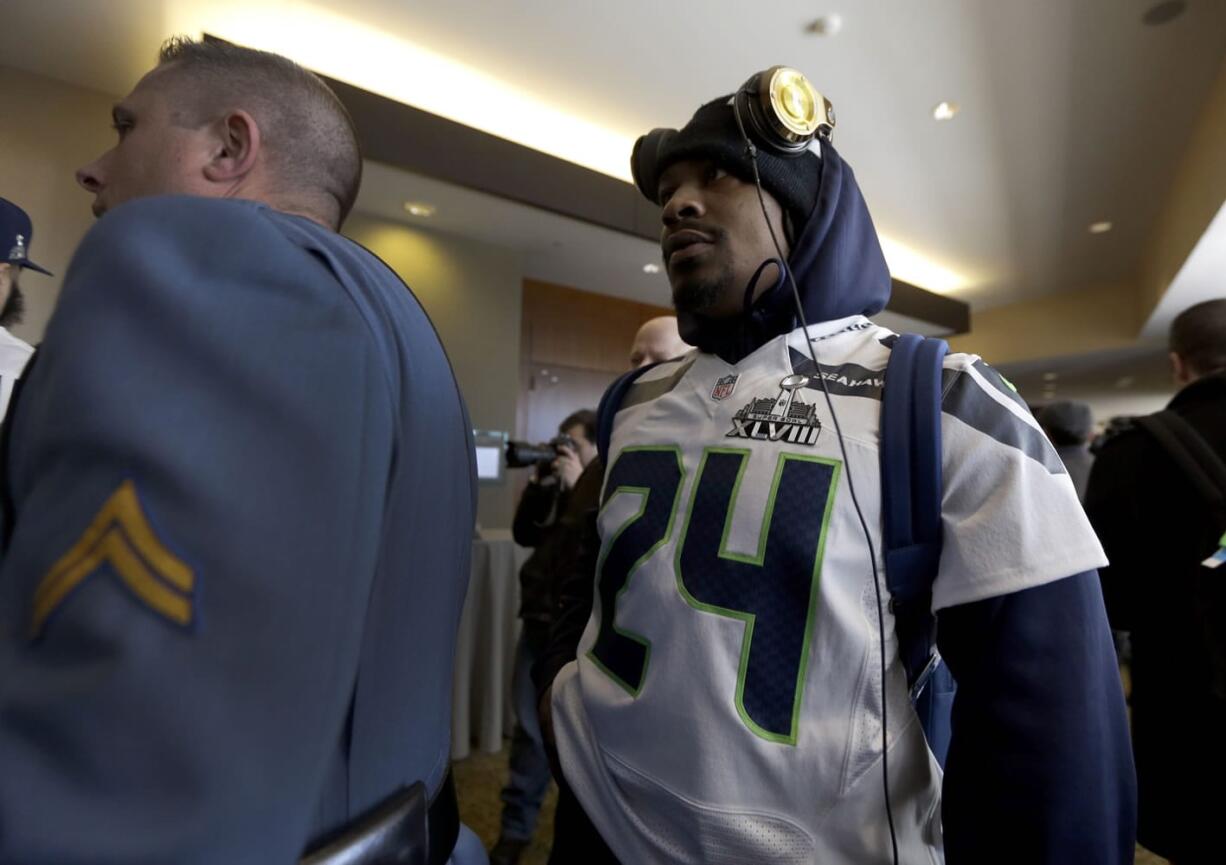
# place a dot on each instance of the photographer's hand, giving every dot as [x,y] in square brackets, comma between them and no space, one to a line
[567,466]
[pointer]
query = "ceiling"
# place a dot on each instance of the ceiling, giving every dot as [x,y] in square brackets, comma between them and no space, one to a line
[553,248]
[1072,112]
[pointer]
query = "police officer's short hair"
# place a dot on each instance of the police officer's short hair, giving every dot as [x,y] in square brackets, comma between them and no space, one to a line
[1198,335]
[308,136]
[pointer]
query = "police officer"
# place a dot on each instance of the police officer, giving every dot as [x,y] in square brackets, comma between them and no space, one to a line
[240,492]
[16,232]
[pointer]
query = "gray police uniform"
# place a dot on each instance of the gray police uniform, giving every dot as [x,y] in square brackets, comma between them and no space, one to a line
[239,494]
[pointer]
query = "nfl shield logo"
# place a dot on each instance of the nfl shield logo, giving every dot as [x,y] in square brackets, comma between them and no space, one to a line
[724,387]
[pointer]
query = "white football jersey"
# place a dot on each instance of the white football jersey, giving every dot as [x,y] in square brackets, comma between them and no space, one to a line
[14,355]
[726,703]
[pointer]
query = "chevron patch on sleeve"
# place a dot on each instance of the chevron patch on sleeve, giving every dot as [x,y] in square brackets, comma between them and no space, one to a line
[120,535]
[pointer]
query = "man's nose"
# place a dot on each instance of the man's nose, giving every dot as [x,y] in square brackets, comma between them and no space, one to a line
[685,203]
[90,177]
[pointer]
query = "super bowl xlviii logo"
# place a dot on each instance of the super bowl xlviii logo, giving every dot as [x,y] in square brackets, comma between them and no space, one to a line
[785,418]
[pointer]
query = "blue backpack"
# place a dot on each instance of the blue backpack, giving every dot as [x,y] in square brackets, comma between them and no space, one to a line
[911,509]
[911,505]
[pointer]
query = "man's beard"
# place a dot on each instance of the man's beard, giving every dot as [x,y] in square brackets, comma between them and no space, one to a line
[14,308]
[698,296]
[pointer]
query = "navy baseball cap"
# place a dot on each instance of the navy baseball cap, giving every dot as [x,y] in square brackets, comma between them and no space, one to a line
[15,235]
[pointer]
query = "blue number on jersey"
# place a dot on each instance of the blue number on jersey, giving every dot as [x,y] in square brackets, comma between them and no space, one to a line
[774,592]
[655,474]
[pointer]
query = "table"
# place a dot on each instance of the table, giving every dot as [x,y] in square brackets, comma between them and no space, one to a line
[485,647]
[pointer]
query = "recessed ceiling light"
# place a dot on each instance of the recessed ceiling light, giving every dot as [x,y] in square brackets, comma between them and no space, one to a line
[1050,376]
[1100,227]
[827,25]
[651,268]
[419,208]
[1125,382]
[945,110]
[1163,13]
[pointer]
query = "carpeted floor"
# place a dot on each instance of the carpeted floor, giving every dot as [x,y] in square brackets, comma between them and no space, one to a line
[479,780]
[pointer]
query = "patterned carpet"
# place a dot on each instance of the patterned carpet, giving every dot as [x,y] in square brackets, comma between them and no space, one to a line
[479,780]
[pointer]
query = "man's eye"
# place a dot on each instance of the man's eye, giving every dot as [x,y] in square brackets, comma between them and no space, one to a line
[715,173]
[665,195]
[121,127]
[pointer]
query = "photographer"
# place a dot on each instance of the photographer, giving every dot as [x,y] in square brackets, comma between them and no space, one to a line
[539,524]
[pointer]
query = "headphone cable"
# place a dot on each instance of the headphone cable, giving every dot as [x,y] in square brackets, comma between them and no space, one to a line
[800,313]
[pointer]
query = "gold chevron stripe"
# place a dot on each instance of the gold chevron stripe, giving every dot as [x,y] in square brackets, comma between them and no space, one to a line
[120,534]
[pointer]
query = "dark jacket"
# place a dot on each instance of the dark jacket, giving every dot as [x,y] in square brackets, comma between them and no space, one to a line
[552,521]
[1156,531]
[573,600]
[535,527]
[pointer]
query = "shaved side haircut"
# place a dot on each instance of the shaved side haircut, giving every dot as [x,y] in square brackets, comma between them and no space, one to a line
[309,141]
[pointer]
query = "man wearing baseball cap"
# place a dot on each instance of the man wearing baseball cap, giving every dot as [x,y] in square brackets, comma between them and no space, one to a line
[15,235]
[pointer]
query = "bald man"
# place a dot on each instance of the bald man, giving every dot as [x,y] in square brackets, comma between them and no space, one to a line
[657,341]
[239,497]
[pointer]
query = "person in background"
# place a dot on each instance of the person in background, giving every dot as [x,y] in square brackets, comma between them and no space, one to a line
[1167,589]
[239,488]
[16,232]
[1069,425]
[656,341]
[539,524]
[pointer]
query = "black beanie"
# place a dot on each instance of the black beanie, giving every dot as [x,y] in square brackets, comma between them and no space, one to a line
[712,133]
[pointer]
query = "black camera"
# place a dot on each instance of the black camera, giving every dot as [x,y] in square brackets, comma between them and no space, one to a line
[524,455]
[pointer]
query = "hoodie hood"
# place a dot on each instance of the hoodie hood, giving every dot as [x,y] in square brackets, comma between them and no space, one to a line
[836,257]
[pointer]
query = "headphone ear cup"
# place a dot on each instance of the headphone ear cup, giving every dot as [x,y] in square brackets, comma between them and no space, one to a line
[645,161]
[745,104]
[749,102]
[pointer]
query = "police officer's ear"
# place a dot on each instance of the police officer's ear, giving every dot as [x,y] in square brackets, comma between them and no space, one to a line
[237,148]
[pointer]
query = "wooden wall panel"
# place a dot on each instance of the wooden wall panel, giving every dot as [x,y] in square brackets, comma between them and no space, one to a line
[572,345]
[567,327]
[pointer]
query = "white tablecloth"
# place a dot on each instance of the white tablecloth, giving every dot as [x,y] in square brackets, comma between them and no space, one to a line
[485,649]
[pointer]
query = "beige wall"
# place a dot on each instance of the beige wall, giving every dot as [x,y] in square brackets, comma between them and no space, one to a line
[48,130]
[1056,325]
[473,293]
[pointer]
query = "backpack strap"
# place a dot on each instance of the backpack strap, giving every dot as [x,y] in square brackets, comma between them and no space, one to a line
[1198,462]
[911,496]
[609,404]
